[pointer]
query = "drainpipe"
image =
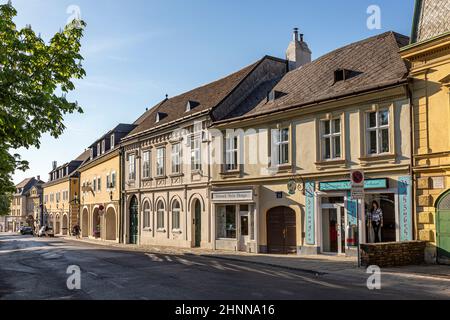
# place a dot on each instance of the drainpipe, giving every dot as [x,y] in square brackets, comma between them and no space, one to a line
[122,194]
[412,165]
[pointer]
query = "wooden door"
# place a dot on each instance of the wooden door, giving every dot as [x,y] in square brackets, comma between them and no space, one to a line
[281,231]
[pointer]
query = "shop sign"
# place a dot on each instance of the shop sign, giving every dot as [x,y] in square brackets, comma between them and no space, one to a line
[310,220]
[292,186]
[233,196]
[347,185]
[404,194]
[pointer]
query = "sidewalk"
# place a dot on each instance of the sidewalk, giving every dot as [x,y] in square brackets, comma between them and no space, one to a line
[319,264]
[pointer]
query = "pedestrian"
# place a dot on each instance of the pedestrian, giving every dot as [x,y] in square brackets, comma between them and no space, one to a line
[76,231]
[376,220]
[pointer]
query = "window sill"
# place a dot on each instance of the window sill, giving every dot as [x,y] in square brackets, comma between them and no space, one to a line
[377,158]
[161,230]
[282,168]
[177,231]
[160,177]
[177,175]
[147,229]
[230,172]
[147,179]
[331,163]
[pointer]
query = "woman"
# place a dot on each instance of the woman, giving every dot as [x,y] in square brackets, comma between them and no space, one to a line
[376,220]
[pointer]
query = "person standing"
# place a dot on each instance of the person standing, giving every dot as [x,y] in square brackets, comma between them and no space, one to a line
[376,220]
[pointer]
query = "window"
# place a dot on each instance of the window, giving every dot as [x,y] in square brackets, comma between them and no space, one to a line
[176,158]
[196,153]
[99,184]
[226,222]
[146,164]
[280,146]
[176,208]
[94,187]
[131,167]
[99,149]
[231,152]
[147,214]
[160,170]
[331,139]
[160,215]
[108,182]
[378,132]
[112,141]
[103,146]
[113,180]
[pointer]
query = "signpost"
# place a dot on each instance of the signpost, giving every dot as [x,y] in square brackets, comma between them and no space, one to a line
[357,179]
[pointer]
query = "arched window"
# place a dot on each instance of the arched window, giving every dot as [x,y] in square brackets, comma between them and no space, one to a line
[160,215]
[147,214]
[176,208]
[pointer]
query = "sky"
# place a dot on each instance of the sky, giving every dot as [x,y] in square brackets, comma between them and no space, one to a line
[137,51]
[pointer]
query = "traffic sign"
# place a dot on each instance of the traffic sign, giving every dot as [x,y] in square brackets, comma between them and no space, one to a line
[357,179]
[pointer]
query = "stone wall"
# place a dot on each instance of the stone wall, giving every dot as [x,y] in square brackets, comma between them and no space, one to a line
[393,254]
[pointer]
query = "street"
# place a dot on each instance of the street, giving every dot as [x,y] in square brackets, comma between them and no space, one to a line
[33,268]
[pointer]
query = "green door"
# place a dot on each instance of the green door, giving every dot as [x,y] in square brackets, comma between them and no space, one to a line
[443,235]
[198,224]
[134,221]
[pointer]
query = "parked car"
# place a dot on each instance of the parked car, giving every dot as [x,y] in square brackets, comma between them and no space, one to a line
[26,231]
[46,232]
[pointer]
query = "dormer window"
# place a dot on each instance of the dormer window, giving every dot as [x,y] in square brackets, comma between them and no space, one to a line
[191,105]
[113,141]
[92,153]
[274,95]
[99,149]
[344,74]
[103,146]
[160,116]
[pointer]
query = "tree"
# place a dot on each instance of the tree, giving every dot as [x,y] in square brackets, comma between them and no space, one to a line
[5,202]
[35,78]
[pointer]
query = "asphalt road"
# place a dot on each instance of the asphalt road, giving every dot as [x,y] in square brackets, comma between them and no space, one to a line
[32,268]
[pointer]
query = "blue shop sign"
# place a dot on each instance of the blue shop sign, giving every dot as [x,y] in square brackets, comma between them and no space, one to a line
[346,185]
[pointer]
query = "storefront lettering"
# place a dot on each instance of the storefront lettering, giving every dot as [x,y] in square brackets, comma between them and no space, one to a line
[404,192]
[346,185]
[310,234]
[233,196]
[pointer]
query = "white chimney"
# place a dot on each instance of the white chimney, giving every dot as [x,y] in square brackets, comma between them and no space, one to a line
[298,53]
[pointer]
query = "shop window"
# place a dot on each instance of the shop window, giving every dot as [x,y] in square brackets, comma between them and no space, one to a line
[176,208]
[378,135]
[226,222]
[387,231]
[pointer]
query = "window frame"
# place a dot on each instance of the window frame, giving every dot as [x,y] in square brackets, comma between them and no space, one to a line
[160,212]
[147,214]
[378,129]
[112,141]
[176,152]
[277,145]
[332,135]
[131,167]
[196,152]
[231,151]
[176,213]
[146,164]
[160,157]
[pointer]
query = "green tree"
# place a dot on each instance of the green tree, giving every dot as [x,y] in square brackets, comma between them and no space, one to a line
[5,202]
[35,78]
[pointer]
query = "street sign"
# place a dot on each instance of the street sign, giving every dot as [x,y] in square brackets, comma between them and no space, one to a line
[357,184]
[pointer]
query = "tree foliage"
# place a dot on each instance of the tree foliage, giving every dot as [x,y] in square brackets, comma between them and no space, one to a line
[5,202]
[35,78]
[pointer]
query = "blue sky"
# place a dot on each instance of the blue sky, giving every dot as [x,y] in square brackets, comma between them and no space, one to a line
[136,51]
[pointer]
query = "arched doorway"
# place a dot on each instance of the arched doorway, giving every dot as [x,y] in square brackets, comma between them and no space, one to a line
[197,223]
[111,224]
[58,225]
[96,226]
[85,224]
[65,226]
[281,231]
[443,229]
[134,220]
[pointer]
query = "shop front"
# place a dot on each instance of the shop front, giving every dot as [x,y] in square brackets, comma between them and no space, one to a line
[235,226]
[331,221]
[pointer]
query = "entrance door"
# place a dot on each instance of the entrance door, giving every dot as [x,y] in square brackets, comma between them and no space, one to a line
[134,221]
[198,224]
[333,229]
[281,231]
[244,235]
[443,230]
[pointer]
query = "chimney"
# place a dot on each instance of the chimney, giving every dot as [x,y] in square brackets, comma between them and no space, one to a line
[298,53]
[54,165]
[38,178]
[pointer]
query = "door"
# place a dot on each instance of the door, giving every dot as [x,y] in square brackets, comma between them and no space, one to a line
[333,229]
[443,229]
[281,231]
[198,224]
[134,221]
[244,222]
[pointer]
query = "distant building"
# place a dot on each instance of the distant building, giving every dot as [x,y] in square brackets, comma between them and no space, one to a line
[429,57]
[23,206]
[62,196]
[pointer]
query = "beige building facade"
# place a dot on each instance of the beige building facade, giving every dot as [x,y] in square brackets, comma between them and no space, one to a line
[283,183]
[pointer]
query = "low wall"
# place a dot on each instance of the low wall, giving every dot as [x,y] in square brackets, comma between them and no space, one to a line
[393,254]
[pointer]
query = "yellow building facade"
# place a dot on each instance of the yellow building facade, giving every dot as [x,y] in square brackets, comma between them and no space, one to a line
[100,197]
[429,57]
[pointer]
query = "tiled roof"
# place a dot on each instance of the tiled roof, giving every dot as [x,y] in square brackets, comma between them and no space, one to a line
[431,19]
[205,97]
[84,156]
[374,62]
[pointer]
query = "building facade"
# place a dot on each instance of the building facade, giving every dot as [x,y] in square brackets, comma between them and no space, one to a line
[429,56]
[100,178]
[283,186]
[167,159]
[61,196]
